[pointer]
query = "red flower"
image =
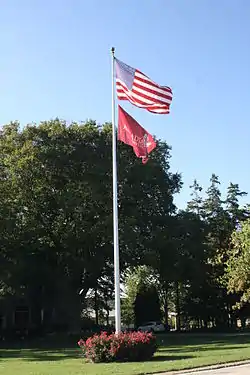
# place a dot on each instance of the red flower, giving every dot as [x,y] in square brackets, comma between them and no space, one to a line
[128,346]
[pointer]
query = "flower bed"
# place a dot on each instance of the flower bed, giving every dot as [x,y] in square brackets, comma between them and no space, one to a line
[125,347]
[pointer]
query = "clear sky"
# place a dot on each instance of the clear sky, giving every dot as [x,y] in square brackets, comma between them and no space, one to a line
[55,61]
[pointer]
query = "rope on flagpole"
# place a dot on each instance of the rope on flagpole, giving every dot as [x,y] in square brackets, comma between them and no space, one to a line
[115,208]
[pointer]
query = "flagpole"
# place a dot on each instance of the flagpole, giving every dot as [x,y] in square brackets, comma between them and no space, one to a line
[115,208]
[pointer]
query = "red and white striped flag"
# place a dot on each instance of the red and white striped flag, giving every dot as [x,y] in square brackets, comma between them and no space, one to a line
[133,85]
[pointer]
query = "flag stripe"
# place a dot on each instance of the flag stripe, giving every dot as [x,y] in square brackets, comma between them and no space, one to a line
[140,96]
[123,91]
[137,99]
[141,77]
[154,108]
[150,94]
[141,90]
[166,94]
[148,87]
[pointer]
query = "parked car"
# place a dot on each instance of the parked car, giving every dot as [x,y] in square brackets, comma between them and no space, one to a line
[152,327]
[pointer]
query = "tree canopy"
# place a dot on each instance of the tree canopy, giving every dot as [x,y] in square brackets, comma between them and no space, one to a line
[56,230]
[56,208]
[238,263]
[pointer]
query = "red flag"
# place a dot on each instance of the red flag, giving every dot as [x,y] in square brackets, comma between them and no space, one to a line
[133,134]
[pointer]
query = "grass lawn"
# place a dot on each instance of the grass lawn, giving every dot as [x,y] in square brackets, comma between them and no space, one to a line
[177,352]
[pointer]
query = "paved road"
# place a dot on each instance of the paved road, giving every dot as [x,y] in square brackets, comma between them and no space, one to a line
[240,370]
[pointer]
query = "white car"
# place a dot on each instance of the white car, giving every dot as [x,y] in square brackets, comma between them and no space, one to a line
[152,327]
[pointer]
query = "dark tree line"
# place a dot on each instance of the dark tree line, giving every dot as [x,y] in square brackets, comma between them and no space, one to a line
[56,227]
[191,268]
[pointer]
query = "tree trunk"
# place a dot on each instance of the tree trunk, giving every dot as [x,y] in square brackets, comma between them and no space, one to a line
[243,322]
[166,306]
[107,318]
[96,308]
[177,305]
[107,310]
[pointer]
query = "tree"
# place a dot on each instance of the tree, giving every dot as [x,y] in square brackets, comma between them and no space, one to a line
[196,203]
[102,295]
[56,201]
[191,255]
[238,264]
[135,279]
[207,297]
[236,213]
[147,305]
[203,218]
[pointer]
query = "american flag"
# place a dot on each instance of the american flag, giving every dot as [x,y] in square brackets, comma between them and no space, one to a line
[133,85]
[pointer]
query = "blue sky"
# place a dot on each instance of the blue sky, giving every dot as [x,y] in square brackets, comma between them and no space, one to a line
[55,61]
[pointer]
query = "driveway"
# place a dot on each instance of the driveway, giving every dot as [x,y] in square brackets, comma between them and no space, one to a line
[239,370]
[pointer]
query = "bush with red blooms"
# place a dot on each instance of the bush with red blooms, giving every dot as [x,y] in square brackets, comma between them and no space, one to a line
[125,347]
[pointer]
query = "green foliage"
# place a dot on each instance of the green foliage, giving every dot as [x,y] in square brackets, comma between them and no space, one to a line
[147,305]
[206,299]
[56,230]
[135,278]
[56,211]
[238,264]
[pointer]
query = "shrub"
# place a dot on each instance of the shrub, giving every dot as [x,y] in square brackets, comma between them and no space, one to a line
[125,347]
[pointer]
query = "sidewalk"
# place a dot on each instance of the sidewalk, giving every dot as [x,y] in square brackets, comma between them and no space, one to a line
[237,368]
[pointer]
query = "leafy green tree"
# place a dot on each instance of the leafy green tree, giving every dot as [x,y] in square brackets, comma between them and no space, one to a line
[195,205]
[56,205]
[236,212]
[238,264]
[207,298]
[190,267]
[134,279]
[147,305]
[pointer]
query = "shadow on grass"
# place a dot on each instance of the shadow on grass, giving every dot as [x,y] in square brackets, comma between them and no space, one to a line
[159,358]
[172,348]
[190,341]
[39,355]
[198,349]
[60,355]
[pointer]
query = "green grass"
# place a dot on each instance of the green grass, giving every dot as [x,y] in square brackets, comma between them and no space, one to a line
[176,352]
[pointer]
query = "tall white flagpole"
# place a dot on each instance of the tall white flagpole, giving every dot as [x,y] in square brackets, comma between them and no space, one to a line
[115,208]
